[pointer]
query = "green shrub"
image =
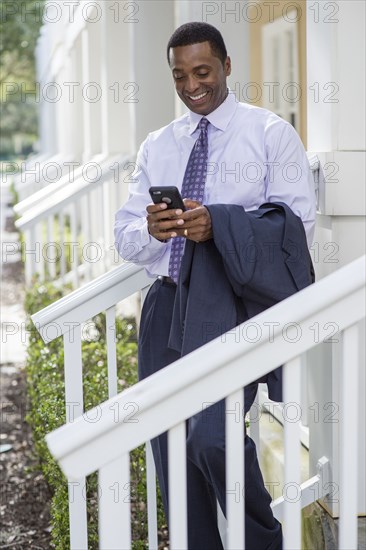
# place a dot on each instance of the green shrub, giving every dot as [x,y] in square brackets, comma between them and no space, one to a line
[45,383]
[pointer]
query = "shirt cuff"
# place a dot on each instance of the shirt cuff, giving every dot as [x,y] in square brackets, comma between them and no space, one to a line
[147,239]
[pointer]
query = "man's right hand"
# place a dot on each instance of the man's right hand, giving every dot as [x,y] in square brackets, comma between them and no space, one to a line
[163,221]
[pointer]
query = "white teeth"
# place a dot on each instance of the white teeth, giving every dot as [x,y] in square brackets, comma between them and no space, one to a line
[196,97]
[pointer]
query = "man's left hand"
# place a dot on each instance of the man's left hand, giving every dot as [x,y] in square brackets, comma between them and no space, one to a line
[196,222]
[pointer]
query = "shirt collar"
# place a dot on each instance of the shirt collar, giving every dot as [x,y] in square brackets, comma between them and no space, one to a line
[220,117]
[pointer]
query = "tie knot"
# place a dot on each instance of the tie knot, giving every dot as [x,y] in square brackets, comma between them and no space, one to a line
[203,123]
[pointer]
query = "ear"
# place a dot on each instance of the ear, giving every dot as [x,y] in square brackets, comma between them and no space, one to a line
[227,66]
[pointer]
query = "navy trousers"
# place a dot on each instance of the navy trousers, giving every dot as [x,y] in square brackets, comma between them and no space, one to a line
[205,446]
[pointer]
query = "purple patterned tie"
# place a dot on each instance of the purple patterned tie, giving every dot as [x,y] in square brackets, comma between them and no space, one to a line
[192,188]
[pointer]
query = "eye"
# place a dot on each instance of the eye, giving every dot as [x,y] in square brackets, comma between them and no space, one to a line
[202,75]
[176,77]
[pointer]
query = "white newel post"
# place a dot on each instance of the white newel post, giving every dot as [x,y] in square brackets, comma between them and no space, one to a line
[336,133]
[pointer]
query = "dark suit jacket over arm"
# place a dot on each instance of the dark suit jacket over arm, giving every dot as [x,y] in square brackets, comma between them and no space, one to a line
[254,260]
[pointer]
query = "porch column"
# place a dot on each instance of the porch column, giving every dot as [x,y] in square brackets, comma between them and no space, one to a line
[117,125]
[336,133]
[91,89]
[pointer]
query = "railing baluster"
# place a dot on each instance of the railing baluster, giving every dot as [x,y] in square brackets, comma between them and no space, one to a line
[235,464]
[152,515]
[111,350]
[101,207]
[121,189]
[304,390]
[85,229]
[74,245]
[292,505]
[40,260]
[61,224]
[349,436]
[177,486]
[107,226]
[99,235]
[95,229]
[51,266]
[114,505]
[74,408]
[29,254]
[73,374]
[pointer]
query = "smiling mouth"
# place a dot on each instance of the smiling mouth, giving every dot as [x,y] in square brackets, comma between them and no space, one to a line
[198,97]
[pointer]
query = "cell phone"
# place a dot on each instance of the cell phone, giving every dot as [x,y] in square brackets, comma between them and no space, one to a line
[168,194]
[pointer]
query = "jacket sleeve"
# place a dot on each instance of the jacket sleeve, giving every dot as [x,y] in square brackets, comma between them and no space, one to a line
[251,247]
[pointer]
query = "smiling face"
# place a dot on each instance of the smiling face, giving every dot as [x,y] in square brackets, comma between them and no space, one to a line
[199,77]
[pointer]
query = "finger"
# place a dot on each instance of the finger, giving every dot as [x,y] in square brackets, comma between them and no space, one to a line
[190,232]
[162,208]
[189,203]
[164,215]
[151,208]
[195,214]
[165,234]
[165,225]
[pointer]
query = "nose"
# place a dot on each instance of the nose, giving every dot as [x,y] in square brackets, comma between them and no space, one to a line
[191,84]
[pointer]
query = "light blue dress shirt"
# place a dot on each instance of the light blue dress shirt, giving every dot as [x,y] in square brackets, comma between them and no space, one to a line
[254,157]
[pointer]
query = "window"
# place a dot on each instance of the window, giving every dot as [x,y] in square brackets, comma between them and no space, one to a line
[280,69]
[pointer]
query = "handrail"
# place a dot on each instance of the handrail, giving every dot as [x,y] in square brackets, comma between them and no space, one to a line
[80,446]
[78,306]
[31,178]
[53,199]
[30,161]
[48,191]
[61,224]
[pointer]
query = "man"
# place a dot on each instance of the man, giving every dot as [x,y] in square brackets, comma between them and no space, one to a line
[247,156]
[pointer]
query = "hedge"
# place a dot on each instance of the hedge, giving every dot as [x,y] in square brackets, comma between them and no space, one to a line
[45,384]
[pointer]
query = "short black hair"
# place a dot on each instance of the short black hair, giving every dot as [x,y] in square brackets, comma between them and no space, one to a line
[196,32]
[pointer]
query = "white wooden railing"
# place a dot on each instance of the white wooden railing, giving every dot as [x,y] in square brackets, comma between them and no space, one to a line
[163,402]
[68,234]
[26,176]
